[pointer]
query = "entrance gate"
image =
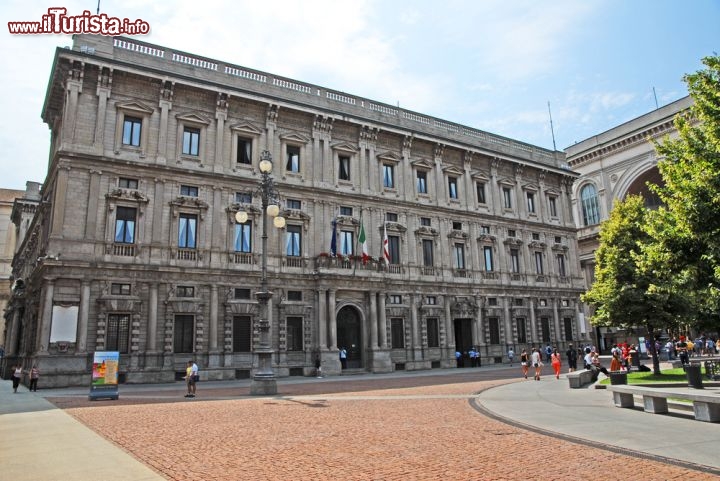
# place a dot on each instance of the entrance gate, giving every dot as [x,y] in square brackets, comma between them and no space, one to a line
[349,335]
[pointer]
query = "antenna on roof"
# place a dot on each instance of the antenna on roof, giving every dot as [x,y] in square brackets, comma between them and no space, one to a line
[552,131]
[655,95]
[98,8]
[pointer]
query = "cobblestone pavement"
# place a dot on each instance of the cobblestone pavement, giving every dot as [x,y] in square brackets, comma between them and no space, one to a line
[399,429]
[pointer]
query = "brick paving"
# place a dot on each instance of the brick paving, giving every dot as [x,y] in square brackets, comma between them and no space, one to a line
[394,429]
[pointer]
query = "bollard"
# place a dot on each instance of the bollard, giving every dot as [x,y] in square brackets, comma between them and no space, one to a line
[694,376]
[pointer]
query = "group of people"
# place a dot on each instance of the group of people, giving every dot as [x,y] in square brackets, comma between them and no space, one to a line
[192,376]
[17,375]
[684,348]
[473,356]
[535,359]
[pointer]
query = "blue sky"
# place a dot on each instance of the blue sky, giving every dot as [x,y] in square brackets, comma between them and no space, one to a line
[489,64]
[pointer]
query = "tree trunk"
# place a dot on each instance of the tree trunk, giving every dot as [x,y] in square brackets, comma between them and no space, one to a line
[653,352]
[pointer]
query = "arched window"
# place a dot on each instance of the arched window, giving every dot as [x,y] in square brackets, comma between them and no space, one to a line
[591,213]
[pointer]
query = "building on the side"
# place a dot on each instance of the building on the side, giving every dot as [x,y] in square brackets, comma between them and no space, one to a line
[7,250]
[612,165]
[135,245]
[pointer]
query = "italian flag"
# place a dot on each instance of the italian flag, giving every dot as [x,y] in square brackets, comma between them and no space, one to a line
[363,243]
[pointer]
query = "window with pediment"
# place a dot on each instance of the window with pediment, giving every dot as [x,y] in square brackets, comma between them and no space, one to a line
[293,151]
[132,127]
[191,136]
[244,144]
[344,155]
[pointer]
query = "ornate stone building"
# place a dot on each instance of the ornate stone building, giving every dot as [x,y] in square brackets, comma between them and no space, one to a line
[135,247]
[612,165]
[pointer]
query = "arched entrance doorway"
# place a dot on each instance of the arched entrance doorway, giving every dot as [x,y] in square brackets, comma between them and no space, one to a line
[349,335]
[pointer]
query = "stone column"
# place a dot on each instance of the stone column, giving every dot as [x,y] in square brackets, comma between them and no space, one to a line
[449,331]
[103,93]
[213,318]
[383,321]
[165,105]
[322,319]
[533,322]
[151,346]
[508,320]
[83,317]
[220,117]
[46,319]
[332,342]
[556,319]
[59,202]
[373,321]
[479,328]
[416,338]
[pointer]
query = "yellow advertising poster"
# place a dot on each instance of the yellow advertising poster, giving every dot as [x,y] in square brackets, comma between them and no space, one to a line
[105,368]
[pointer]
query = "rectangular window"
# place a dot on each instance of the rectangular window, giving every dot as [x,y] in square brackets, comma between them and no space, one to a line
[125,183]
[293,204]
[183,333]
[293,159]
[552,203]
[488,258]
[539,263]
[457,225]
[394,249]
[242,293]
[294,337]
[421,182]
[187,231]
[346,210]
[431,300]
[425,221]
[452,187]
[567,321]
[243,237]
[531,202]
[507,197]
[293,241]
[428,258]
[459,256]
[132,127]
[484,229]
[514,261]
[480,189]
[118,333]
[191,141]
[243,197]
[120,289]
[535,236]
[545,329]
[125,225]
[494,326]
[244,151]
[397,333]
[395,299]
[521,330]
[518,301]
[344,167]
[561,265]
[433,333]
[492,301]
[388,176]
[188,191]
[242,333]
[346,243]
[511,232]
[391,217]
[294,296]
[184,291]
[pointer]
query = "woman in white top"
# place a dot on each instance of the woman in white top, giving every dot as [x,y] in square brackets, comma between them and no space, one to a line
[536,362]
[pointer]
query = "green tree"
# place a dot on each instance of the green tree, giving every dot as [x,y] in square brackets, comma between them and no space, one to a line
[687,233]
[626,292]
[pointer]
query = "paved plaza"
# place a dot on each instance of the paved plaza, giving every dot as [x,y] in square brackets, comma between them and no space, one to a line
[463,424]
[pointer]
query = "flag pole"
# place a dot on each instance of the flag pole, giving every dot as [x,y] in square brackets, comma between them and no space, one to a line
[357,240]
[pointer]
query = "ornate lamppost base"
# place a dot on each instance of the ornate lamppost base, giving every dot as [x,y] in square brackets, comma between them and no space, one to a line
[263,386]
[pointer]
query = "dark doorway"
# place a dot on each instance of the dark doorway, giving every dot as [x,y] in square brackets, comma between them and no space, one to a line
[463,335]
[349,336]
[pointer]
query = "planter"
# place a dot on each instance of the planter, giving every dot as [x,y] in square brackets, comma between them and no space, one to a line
[618,377]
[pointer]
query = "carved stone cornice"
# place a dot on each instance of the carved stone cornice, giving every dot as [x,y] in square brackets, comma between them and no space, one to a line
[537,244]
[394,227]
[424,230]
[513,242]
[458,234]
[131,195]
[487,238]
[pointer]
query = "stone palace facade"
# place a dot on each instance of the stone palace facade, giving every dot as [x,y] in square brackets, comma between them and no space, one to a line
[134,246]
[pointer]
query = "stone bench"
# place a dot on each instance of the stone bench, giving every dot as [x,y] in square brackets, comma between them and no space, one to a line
[706,406]
[579,378]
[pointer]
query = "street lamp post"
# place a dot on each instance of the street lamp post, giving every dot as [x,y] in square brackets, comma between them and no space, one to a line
[264,381]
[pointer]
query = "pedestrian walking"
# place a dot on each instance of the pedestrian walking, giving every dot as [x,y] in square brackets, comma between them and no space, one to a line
[556,363]
[189,379]
[318,367]
[536,359]
[511,356]
[572,357]
[524,362]
[343,358]
[17,373]
[34,376]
